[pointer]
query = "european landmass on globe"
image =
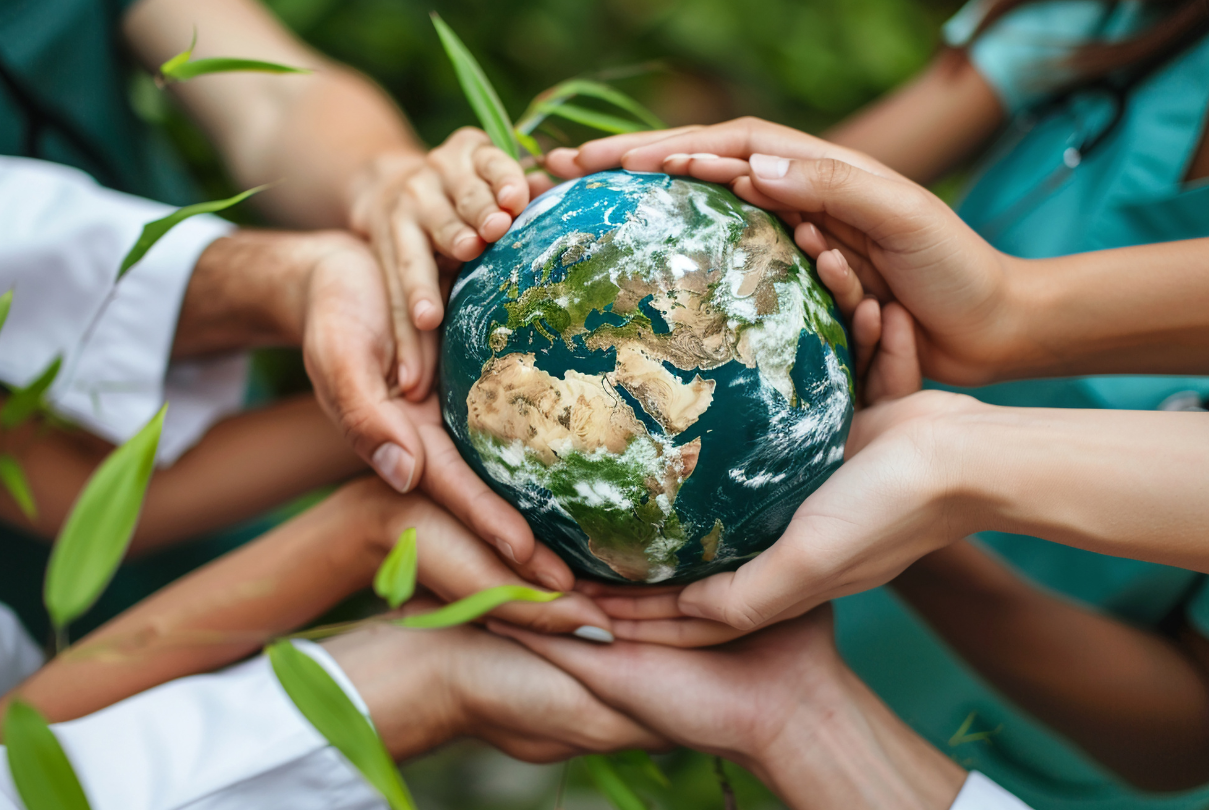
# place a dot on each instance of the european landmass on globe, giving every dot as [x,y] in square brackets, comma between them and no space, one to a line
[649,369]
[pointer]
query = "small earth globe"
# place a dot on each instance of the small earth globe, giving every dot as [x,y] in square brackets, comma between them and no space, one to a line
[651,372]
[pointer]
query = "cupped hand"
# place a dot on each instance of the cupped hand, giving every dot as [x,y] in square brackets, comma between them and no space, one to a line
[348,347]
[454,563]
[897,497]
[737,701]
[425,687]
[900,242]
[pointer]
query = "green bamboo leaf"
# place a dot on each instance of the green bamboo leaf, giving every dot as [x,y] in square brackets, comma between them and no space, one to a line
[474,606]
[6,303]
[591,118]
[642,762]
[396,578]
[528,142]
[223,64]
[559,94]
[181,58]
[609,782]
[154,231]
[41,771]
[12,475]
[325,705]
[25,402]
[95,535]
[479,92]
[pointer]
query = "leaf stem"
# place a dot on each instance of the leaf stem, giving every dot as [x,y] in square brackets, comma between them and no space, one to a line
[728,792]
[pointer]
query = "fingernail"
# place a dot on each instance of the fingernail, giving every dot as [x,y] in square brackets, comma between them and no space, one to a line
[768,167]
[590,633]
[419,312]
[674,156]
[395,465]
[506,550]
[405,382]
[548,582]
[499,218]
[703,156]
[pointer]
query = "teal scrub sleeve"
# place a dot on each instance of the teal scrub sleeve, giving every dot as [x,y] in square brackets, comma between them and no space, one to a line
[1197,609]
[1021,55]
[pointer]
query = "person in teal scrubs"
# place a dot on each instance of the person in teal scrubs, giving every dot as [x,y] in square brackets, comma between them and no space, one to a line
[1115,162]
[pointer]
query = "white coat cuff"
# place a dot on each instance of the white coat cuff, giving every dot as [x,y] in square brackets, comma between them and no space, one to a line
[980,793]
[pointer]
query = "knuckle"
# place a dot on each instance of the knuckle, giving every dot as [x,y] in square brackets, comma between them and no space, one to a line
[831,174]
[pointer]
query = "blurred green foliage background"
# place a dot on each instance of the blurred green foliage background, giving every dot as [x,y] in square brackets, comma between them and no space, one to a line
[805,63]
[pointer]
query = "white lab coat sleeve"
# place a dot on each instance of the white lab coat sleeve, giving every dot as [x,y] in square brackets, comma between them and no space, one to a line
[62,238]
[227,741]
[980,793]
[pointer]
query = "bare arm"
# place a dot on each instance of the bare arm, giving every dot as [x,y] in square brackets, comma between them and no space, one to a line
[320,132]
[930,125]
[244,465]
[1136,701]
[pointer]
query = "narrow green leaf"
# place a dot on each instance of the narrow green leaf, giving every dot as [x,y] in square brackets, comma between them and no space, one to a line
[325,705]
[396,578]
[528,142]
[25,402]
[609,782]
[642,762]
[224,64]
[474,606]
[546,101]
[41,771]
[591,118]
[181,58]
[12,475]
[479,92]
[154,231]
[6,303]
[95,535]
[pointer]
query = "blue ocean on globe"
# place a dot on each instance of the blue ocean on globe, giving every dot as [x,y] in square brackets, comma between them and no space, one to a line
[651,372]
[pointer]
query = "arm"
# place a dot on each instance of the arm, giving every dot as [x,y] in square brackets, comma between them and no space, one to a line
[229,608]
[1135,700]
[930,126]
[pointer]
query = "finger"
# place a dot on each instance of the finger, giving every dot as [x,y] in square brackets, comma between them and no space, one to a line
[681,632]
[740,139]
[881,208]
[418,275]
[507,181]
[406,344]
[562,163]
[895,370]
[595,588]
[450,234]
[451,483]
[866,332]
[745,190]
[607,153]
[834,271]
[428,344]
[707,167]
[666,606]
[539,184]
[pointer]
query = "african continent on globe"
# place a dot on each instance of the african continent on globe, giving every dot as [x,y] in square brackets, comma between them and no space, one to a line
[650,371]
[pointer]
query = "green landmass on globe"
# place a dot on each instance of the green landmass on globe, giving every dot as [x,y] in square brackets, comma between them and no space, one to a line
[649,369]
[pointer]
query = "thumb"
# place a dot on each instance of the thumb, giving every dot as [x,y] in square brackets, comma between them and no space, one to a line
[891,211]
[895,370]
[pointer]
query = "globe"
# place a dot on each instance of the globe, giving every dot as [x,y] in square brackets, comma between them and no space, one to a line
[651,372]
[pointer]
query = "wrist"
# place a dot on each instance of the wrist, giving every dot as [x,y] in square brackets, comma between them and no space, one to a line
[845,748]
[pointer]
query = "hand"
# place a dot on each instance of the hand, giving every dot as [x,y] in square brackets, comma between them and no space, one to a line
[897,497]
[455,201]
[349,355]
[454,564]
[426,687]
[901,241]
[781,703]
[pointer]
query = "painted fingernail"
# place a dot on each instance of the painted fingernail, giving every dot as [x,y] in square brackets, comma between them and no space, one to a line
[591,633]
[703,156]
[768,167]
[549,582]
[421,312]
[395,465]
[506,549]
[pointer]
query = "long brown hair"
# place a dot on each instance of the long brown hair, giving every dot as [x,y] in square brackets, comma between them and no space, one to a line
[1184,24]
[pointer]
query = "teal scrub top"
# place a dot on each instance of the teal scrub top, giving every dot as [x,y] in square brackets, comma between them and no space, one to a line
[1027,201]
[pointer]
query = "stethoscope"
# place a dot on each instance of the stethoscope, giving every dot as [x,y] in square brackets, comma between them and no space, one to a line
[1079,147]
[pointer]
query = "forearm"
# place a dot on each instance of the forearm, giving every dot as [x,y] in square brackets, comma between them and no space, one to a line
[929,126]
[1137,310]
[1133,700]
[853,752]
[1122,483]
[223,611]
